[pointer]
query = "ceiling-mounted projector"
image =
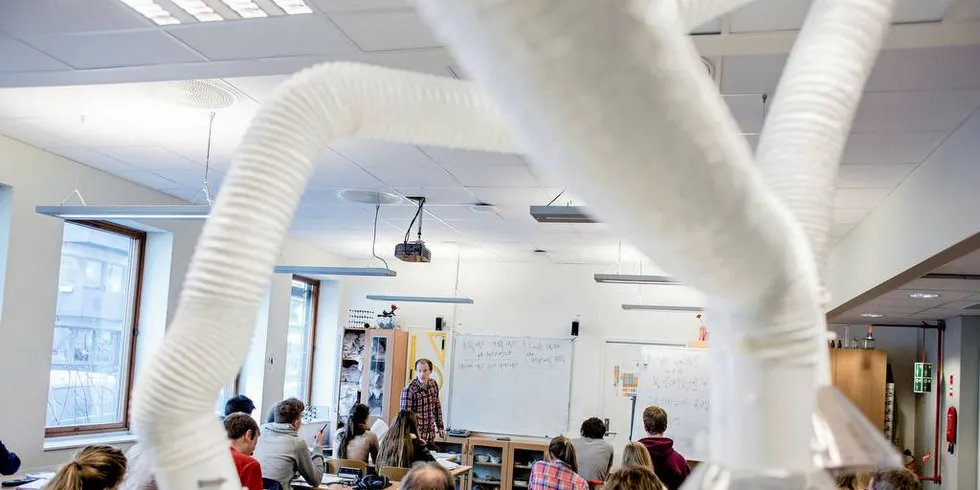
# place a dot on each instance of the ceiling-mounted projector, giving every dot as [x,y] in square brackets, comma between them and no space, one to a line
[414,251]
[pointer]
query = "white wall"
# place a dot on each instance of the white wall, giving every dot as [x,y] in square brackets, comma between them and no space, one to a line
[31,282]
[538,299]
[959,470]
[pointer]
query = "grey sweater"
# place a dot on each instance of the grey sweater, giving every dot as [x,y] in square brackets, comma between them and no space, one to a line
[281,454]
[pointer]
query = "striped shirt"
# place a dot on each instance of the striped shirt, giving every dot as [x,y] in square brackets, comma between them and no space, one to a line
[424,401]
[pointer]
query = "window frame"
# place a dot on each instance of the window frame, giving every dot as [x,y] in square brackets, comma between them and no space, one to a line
[140,248]
[315,294]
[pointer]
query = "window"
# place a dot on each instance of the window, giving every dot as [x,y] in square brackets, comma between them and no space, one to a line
[94,330]
[300,339]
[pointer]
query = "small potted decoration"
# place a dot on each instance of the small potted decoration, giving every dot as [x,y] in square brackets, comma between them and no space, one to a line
[387,318]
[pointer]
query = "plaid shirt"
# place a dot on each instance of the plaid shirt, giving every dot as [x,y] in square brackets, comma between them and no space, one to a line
[555,475]
[424,401]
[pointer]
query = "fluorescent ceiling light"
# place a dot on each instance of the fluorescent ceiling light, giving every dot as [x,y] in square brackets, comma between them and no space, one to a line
[152,11]
[178,211]
[200,10]
[312,270]
[562,214]
[294,7]
[923,295]
[245,8]
[662,308]
[421,299]
[872,315]
[634,279]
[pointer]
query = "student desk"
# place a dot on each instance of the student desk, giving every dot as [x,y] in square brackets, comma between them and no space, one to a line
[459,474]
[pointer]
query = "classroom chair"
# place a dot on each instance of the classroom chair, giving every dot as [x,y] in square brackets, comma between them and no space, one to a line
[268,484]
[334,465]
[594,484]
[394,473]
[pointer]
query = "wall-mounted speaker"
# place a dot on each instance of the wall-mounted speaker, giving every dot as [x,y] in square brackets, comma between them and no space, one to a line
[438,324]
[575,328]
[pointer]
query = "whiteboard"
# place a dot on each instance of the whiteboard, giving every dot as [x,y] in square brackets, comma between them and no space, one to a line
[510,385]
[676,379]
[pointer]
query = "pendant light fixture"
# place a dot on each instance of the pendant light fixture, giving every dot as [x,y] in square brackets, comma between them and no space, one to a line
[454,299]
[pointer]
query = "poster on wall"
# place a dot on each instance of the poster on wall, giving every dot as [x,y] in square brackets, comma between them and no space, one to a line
[425,343]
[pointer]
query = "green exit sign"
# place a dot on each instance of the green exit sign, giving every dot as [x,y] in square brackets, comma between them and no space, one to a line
[922,378]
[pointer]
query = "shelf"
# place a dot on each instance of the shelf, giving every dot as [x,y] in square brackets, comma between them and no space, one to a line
[519,485]
[522,466]
[489,482]
[475,463]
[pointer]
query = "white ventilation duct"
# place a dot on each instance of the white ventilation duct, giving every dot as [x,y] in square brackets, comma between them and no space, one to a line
[592,92]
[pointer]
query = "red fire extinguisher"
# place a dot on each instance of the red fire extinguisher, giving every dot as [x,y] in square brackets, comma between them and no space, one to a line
[951,428]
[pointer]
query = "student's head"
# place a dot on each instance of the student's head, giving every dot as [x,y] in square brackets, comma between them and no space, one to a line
[356,425]
[633,478]
[429,476]
[95,467]
[239,404]
[593,428]
[423,369]
[290,411]
[397,447]
[242,431]
[561,449]
[894,480]
[655,421]
[636,454]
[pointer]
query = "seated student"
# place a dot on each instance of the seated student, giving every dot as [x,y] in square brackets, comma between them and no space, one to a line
[95,467]
[636,455]
[853,481]
[355,440]
[558,470]
[282,453]
[894,480]
[9,462]
[401,446]
[594,454]
[633,478]
[428,476]
[244,434]
[668,464]
[239,404]
[139,470]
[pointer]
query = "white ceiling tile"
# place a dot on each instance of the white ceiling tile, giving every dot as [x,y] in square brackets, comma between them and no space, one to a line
[751,74]
[193,178]
[769,15]
[381,154]
[93,159]
[415,176]
[439,195]
[965,285]
[467,212]
[873,175]
[258,88]
[193,196]
[890,311]
[907,11]
[495,176]
[24,130]
[838,230]
[450,157]
[915,111]
[288,35]
[60,16]
[907,147]
[967,264]
[114,49]
[747,111]
[16,56]
[512,196]
[859,198]
[710,27]
[378,31]
[849,216]
[333,172]
[148,179]
[150,158]
[431,229]
[333,6]
[942,68]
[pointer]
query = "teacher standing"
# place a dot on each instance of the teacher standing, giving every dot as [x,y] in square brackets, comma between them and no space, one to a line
[422,397]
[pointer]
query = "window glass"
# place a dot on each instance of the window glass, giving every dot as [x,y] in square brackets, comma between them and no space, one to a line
[299,340]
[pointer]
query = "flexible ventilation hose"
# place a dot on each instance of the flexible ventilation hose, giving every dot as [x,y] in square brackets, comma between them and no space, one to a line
[173,406]
[624,112]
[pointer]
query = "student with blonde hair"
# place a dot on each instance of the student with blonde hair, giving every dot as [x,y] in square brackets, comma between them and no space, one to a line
[636,455]
[559,470]
[95,467]
[401,446]
[894,480]
[633,478]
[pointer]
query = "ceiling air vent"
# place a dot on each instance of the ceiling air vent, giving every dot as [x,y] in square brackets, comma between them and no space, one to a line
[208,95]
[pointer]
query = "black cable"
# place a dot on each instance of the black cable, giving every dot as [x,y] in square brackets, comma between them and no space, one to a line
[420,215]
[374,238]
[556,197]
[418,212]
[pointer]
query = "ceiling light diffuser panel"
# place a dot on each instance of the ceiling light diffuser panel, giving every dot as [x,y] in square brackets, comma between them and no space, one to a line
[204,10]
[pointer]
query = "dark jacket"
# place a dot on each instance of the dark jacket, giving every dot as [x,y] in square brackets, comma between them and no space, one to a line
[9,462]
[669,465]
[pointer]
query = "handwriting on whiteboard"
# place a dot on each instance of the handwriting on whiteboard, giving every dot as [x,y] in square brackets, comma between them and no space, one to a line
[510,354]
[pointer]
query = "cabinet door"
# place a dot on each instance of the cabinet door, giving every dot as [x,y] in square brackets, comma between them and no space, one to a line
[521,457]
[377,377]
[489,459]
[860,375]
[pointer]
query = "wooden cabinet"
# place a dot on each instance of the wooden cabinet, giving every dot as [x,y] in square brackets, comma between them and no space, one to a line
[372,369]
[490,461]
[461,448]
[522,456]
[860,375]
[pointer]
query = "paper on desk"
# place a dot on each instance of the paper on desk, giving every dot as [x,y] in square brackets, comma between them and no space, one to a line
[379,428]
[36,484]
[449,465]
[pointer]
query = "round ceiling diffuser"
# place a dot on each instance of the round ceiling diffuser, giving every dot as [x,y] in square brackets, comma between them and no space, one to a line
[196,94]
[369,197]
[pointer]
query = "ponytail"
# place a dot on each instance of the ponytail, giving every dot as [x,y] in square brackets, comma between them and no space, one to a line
[101,467]
[561,449]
